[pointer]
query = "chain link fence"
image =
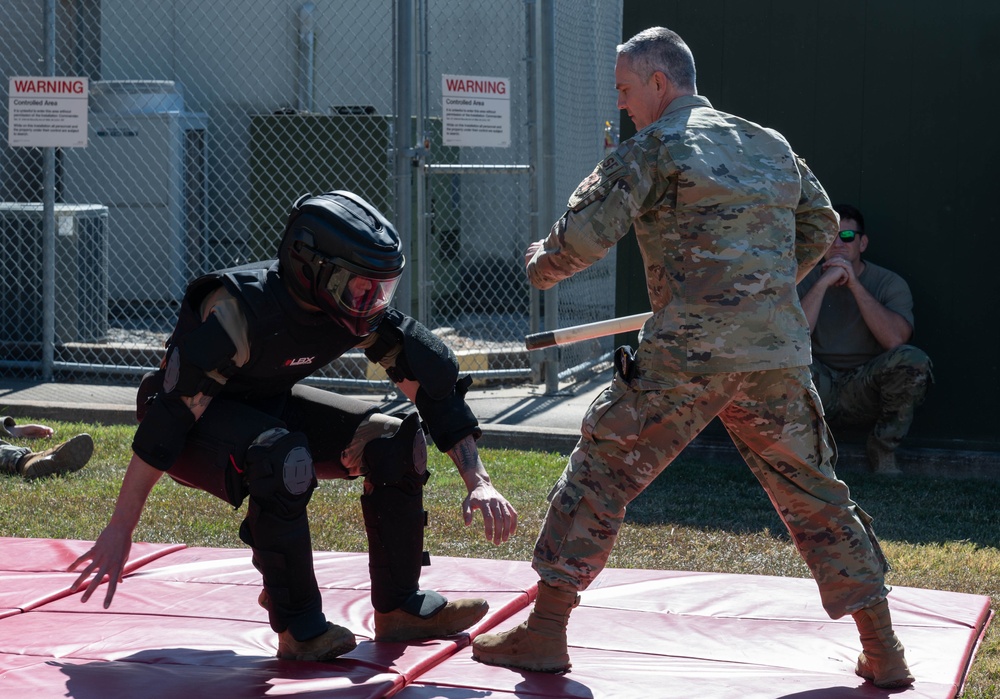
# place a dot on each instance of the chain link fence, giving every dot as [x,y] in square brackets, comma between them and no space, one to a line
[586,34]
[206,121]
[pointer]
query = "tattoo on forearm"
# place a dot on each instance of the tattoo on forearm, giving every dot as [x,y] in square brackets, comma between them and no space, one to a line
[466,456]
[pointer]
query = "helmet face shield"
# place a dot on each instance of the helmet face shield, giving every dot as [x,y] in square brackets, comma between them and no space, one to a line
[357,294]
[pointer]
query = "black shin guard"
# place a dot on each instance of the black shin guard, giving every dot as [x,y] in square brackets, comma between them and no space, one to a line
[281,480]
[394,517]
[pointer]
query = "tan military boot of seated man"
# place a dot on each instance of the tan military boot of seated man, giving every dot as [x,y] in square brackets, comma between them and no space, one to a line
[539,643]
[70,456]
[881,660]
[453,617]
[881,459]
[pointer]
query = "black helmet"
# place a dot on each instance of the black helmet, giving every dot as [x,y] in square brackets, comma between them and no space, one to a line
[340,254]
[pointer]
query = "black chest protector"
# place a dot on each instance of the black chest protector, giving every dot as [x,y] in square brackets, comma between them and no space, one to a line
[287,343]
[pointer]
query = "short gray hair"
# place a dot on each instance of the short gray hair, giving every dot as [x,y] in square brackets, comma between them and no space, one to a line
[660,49]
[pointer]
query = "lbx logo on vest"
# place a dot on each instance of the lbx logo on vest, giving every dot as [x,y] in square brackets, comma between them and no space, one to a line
[300,361]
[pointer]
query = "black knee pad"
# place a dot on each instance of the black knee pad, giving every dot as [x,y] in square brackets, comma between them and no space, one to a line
[281,478]
[400,460]
[279,468]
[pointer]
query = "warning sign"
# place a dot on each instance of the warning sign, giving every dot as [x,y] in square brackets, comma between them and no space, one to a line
[475,111]
[48,112]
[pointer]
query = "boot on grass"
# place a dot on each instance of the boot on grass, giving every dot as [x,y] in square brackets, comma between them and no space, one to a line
[70,456]
[881,459]
[538,644]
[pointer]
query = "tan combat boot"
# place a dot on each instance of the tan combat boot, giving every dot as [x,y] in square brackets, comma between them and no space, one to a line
[70,456]
[333,642]
[881,659]
[539,643]
[453,617]
[881,460]
[330,644]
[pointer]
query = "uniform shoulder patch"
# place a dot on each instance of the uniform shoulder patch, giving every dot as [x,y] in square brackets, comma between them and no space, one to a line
[598,183]
[613,166]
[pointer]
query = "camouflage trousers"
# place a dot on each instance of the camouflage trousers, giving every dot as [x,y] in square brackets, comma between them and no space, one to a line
[10,455]
[630,435]
[882,394]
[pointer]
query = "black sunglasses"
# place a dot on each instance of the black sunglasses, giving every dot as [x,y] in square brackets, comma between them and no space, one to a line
[849,236]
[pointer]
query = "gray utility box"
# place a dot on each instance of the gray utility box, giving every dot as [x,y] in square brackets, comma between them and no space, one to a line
[81,272]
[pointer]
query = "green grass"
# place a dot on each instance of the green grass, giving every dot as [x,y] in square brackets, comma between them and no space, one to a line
[938,533]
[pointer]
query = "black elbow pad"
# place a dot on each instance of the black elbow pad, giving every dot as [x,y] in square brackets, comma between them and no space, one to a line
[161,435]
[449,419]
[423,358]
[150,387]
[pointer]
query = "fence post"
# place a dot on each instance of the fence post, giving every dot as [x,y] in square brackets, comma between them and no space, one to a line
[546,111]
[49,215]
[402,152]
[418,171]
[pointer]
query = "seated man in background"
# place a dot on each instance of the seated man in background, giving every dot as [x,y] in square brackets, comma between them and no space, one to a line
[71,455]
[861,317]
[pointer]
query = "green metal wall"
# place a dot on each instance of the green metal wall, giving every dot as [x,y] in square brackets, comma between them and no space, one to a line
[894,104]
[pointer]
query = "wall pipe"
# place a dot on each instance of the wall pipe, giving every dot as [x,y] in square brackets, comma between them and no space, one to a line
[307,56]
[402,142]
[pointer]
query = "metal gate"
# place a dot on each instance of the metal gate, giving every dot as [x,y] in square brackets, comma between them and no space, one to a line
[206,121]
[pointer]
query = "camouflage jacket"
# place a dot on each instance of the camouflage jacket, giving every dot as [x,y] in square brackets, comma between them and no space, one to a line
[728,220]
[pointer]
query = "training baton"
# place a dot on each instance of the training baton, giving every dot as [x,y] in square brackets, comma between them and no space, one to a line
[587,331]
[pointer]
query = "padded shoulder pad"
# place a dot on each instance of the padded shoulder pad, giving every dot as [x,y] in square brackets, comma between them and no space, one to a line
[424,357]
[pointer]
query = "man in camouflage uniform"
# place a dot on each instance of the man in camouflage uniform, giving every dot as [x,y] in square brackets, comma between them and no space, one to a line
[861,317]
[70,456]
[728,220]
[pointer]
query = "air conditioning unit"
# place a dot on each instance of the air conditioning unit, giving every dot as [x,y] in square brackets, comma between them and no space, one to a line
[296,154]
[146,161]
[81,272]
